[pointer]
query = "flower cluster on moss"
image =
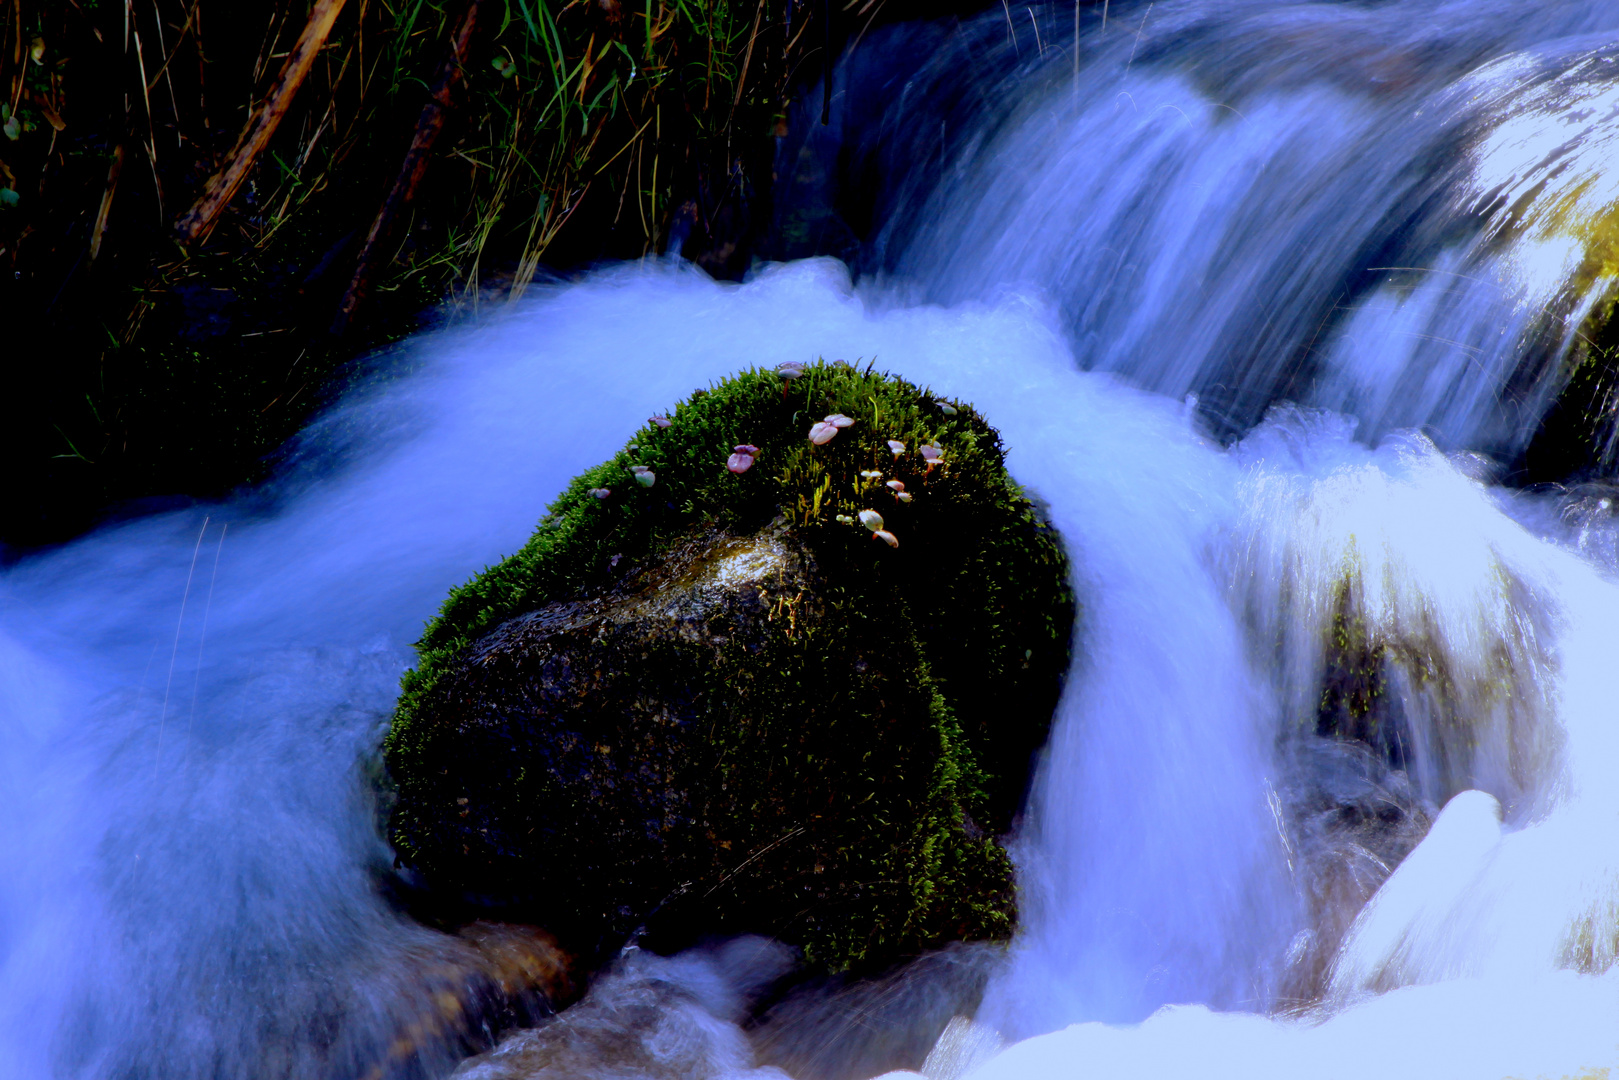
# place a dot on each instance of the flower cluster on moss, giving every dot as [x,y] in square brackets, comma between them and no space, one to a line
[574,548]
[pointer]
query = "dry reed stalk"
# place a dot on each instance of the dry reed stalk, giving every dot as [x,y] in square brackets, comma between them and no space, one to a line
[151,125]
[100,228]
[222,186]
[747,58]
[411,170]
[163,70]
[17,53]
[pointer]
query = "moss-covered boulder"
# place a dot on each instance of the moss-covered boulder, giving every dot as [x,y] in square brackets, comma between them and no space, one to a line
[703,700]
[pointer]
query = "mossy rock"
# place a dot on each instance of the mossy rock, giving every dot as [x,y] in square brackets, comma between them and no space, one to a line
[1578,436]
[719,704]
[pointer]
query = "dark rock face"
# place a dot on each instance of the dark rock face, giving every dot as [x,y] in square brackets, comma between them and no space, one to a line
[784,731]
[715,747]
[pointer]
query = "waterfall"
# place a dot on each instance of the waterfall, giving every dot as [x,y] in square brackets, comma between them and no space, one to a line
[1402,211]
[1268,301]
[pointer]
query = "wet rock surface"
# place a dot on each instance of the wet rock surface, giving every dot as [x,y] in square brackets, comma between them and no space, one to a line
[839,1029]
[786,729]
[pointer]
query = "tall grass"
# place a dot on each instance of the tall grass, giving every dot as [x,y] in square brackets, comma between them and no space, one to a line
[573,131]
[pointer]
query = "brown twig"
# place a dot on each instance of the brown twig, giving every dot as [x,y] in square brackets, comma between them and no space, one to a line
[411,170]
[19,77]
[222,186]
[747,58]
[100,228]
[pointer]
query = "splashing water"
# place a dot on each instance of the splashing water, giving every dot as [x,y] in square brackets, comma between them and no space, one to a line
[1331,792]
[1404,211]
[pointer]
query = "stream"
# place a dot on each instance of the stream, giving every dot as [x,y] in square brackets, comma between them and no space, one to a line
[1274,305]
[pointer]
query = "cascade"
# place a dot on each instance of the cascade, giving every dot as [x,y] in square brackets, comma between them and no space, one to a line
[1276,305]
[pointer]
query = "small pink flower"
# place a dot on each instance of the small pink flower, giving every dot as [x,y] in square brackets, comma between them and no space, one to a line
[932,455]
[822,433]
[661,421]
[838,420]
[790,370]
[741,461]
[887,537]
[601,493]
[895,486]
[746,448]
[896,446]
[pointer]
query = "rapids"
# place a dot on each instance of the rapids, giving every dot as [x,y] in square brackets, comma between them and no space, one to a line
[1399,216]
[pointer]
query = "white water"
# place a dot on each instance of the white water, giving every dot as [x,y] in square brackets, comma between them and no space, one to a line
[186,840]
[1257,168]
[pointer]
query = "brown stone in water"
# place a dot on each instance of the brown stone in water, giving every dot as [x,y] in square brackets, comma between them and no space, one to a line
[486,978]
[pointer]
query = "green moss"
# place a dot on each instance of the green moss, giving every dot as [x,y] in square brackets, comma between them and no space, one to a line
[839,771]
[968,503]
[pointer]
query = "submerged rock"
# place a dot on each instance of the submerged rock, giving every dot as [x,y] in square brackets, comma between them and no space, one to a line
[1350,820]
[912,1018]
[649,1018]
[719,706]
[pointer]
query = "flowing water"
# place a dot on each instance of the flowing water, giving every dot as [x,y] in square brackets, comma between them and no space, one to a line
[1126,248]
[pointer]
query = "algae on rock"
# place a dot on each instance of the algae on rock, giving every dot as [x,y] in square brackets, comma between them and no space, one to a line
[718,703]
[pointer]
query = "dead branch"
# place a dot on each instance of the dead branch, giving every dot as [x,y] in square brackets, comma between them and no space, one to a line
[199,221]
[428,127]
